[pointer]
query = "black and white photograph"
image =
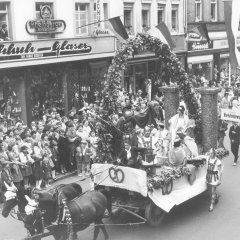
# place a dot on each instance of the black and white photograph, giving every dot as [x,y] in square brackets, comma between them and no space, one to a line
[119,119]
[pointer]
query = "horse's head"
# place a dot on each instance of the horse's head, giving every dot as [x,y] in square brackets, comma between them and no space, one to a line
[11,199]
[14,196]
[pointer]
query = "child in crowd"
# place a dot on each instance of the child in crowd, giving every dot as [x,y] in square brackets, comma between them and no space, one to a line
[26,159]
[83,155]
[47,164]
[55,157]
[93,141]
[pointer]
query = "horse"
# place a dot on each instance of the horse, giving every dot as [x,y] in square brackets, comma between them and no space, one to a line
[83,210]
[80,212]
[48,204]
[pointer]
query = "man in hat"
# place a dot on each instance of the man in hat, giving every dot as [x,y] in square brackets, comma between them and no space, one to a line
[178,121]
[234,135]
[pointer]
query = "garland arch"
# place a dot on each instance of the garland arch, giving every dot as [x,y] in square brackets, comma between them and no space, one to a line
[113,77]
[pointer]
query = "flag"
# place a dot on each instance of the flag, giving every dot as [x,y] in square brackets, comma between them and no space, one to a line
[201,30]
[166,34]
[232,17]
[116,26]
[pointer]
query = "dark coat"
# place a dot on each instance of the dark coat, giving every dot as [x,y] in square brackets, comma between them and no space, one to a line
[7,177]
[132,162]
[234,135]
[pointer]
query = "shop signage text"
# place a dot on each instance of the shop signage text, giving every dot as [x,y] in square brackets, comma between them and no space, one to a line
[46,24]
[230,115]
[199,45]
[197,42]
[101,32]
[219,44]
[26,50]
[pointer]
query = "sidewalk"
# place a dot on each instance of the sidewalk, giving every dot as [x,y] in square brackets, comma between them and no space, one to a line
[65,175]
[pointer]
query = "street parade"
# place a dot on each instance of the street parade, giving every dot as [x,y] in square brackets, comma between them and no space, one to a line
[121,134]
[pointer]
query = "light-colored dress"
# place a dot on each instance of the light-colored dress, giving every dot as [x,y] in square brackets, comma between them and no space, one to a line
[214,171]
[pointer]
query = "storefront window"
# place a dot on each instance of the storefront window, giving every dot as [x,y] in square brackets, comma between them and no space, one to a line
[10,107]
[82,18]
[202,69]
[47,91]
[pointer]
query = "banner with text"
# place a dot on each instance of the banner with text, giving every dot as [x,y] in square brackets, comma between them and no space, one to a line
[230,115]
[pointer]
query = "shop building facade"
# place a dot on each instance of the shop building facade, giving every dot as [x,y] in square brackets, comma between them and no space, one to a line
[207,57]
[50,60]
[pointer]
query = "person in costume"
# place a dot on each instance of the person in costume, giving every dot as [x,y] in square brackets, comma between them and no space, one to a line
[188,143]
[178,121]
[213,178]
[126,124]
[177,155]
[163,135]
[147,141]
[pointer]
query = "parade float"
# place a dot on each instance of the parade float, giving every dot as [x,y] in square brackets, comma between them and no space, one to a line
[155,187]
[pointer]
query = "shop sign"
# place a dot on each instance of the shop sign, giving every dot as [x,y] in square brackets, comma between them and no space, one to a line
[43,49]
[101,32]
[196,42]
[46,24]
[220,44]
[199,45]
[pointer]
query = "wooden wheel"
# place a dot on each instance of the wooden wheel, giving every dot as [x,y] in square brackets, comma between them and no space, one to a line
[154,215]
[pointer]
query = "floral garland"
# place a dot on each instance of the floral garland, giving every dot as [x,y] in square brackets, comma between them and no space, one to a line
[167,176]
[220,153]
[141,42]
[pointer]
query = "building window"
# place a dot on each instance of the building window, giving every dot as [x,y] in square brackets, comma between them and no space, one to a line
[146,17]
[128,18]
[4,19]
[105,13]
[161,13]
[214,10]
[82,18]
[198,10]
[175,18]
[44,12]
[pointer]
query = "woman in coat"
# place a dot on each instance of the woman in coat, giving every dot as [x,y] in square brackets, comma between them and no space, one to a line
[13,155]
